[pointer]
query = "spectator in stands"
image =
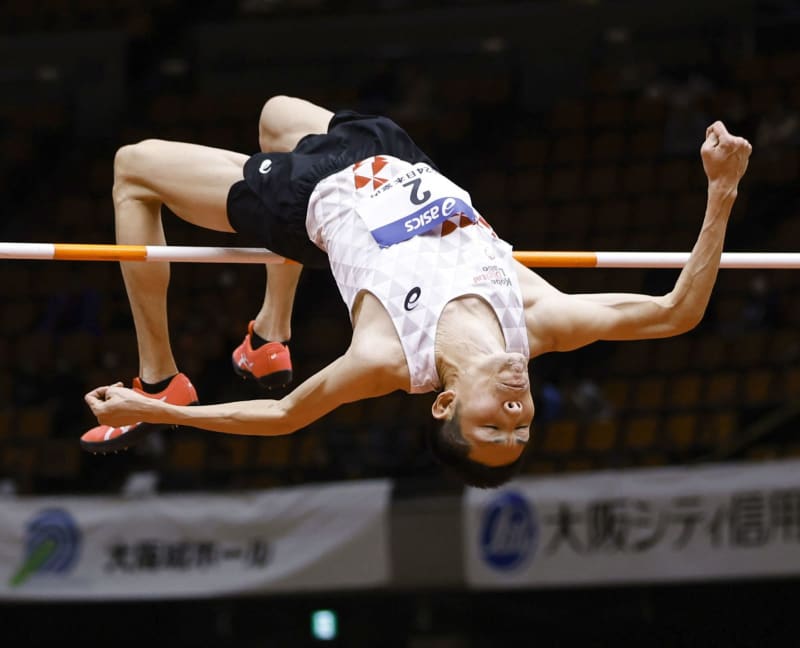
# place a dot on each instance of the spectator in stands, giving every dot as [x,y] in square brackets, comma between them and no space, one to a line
[436,299]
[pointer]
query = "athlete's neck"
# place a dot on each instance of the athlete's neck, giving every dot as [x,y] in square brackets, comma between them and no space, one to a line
[467,332]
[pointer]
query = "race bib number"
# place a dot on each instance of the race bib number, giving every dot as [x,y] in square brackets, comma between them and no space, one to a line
[413,203]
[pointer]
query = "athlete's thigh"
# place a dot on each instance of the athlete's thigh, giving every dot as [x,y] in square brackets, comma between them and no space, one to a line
[286,120]
[192,180]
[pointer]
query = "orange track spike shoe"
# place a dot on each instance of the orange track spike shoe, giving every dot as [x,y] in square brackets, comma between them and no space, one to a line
[270,365]
[104,438]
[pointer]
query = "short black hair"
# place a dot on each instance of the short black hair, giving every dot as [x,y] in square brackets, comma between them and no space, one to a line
[451,449]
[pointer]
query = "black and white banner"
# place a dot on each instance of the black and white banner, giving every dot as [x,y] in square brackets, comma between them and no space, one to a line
[653,525]
[315,537]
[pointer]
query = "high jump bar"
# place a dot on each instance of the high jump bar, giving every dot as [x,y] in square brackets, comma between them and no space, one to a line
[532,259]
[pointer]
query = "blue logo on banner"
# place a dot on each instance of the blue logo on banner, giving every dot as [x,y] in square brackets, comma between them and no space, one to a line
[52,545]
[422,220]
[509,531]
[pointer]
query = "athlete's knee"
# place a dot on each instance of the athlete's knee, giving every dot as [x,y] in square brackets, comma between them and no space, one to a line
[275,110]
[130,169]
[274,120]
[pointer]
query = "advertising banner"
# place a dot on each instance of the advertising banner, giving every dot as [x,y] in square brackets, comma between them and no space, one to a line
[198,545]
[638,526]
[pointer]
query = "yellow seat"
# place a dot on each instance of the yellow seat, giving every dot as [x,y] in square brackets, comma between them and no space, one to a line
[749,349]
[685,390]
[540,467]
[274,452]
[722,388]
[229,453]
[758,387]
[310,450]
[18,460]
[781,346]
[719,429]
[790,383]
[681,430]
[601,436]
[652,460]
[632,358]
[579,465]
[34,422]
[673,354]
[709,352]
[59,459]
[617,393]
[188,454]
[649,392]
[561,437]
[641,432]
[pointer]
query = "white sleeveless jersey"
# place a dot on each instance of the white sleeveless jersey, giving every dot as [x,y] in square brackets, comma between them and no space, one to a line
[385,199]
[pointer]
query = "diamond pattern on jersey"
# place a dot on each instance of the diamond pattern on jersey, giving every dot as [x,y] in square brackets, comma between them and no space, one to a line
[469,259]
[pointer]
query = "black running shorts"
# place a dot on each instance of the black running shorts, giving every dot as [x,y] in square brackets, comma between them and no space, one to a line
[270,204]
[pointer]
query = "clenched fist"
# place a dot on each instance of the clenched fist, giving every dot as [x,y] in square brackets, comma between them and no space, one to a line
[116,405]
[725,156]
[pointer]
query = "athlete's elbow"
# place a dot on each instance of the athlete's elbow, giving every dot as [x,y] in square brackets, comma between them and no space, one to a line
[684,320]
[279,425]
[681,317]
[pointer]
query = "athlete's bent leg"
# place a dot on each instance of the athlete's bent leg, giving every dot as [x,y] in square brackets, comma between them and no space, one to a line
[193,181]
[283,122]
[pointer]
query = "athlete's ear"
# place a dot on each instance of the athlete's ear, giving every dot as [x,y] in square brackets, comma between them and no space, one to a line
[443,407]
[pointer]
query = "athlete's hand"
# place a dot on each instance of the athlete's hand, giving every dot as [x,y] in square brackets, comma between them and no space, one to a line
[116,405]
[725,157]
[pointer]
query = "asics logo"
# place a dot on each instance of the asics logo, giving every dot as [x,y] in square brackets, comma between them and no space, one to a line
[244,363]
[412,298]
[265,167]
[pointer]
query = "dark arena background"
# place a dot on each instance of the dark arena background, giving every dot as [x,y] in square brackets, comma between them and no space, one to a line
[574,125]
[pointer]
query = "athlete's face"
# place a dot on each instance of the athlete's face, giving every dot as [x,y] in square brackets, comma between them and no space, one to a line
[496,409]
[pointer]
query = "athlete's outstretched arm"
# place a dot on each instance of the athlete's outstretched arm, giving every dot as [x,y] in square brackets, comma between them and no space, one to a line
[565,322]
[349,378]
